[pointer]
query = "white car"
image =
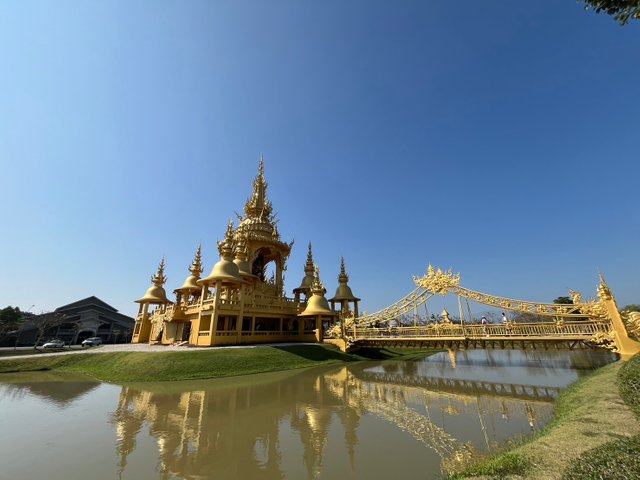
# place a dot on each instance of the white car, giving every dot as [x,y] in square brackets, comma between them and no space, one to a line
[91,342]
[54,344]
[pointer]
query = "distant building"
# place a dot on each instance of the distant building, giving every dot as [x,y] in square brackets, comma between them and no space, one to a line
[89,317]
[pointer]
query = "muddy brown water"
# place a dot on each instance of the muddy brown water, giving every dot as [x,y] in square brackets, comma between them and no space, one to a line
[369,420]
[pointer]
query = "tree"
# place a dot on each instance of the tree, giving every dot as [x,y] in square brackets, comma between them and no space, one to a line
[621,10]
[523,317]
[566,301]
[44,322]
[10,320]
[631,308]
[563,300]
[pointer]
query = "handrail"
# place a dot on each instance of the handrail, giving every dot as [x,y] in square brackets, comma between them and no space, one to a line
[506,330]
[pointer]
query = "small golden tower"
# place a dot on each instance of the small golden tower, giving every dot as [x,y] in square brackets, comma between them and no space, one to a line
[318,306]
[155,295]
[190,290]
[307,281]
[225,271]
[344,296]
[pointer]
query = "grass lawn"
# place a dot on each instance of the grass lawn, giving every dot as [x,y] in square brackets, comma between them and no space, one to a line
[591,416]
[31,351]
[162,366]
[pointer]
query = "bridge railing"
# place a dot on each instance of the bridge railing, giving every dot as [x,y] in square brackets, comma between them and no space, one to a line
[538,330]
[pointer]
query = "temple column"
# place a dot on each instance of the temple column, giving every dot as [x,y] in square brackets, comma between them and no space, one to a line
[278,276]
[214,315]
[145,325]
[240,320]
[319,329]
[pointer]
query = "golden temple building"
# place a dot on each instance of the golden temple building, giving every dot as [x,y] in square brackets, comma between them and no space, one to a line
[236,303]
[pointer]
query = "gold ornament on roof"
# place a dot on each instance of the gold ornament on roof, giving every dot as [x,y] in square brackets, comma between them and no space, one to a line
[317,286]
[258,205]
[196,266]
[225,247]
[159,279]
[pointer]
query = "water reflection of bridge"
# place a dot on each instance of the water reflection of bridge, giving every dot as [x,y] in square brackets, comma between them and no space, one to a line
[235,429]
[463,386]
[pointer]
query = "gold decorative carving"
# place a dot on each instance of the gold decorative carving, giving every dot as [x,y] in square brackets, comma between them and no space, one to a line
[606,340]
[632,323]
[593,308]
[437,281]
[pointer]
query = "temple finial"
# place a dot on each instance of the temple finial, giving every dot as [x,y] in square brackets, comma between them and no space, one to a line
[258,206]
[317,286]
[196,266]
[228,235]
[309,266]
[225,247]
[343,277]
[159,279]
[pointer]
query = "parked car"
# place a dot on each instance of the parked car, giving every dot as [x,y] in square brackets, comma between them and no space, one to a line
[53,344]
[92,342]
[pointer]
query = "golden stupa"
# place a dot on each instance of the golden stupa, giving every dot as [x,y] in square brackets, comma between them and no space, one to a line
[236,303]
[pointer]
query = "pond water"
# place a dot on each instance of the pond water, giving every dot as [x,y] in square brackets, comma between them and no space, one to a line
[369,420]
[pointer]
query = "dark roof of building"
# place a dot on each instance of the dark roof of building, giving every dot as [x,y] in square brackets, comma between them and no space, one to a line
[87,302]
[103,310]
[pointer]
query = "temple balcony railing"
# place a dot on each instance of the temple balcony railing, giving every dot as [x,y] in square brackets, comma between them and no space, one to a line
[270,333]
[229,304]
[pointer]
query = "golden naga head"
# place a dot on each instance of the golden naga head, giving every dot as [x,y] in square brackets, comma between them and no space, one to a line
[437,281]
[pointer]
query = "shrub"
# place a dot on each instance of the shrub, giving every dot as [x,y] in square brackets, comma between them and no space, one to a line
[499,467]
[629,384]
[616,460]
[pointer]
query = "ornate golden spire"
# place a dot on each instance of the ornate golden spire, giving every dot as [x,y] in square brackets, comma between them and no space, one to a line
[241,249]
[196,266]
[308,267]
[317,286]
[159,279]
[258,205]
[343,278]
[343,292]
[155,293]
[225,247]
[317,304]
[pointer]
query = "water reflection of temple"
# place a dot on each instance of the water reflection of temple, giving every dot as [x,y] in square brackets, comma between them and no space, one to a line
[243,428]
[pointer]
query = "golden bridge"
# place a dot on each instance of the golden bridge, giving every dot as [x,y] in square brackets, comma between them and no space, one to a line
[589,324]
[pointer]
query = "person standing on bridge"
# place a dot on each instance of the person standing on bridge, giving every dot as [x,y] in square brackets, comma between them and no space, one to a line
[483,321]
[504,318]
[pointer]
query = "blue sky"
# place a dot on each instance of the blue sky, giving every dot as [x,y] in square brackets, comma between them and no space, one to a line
[499,139]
